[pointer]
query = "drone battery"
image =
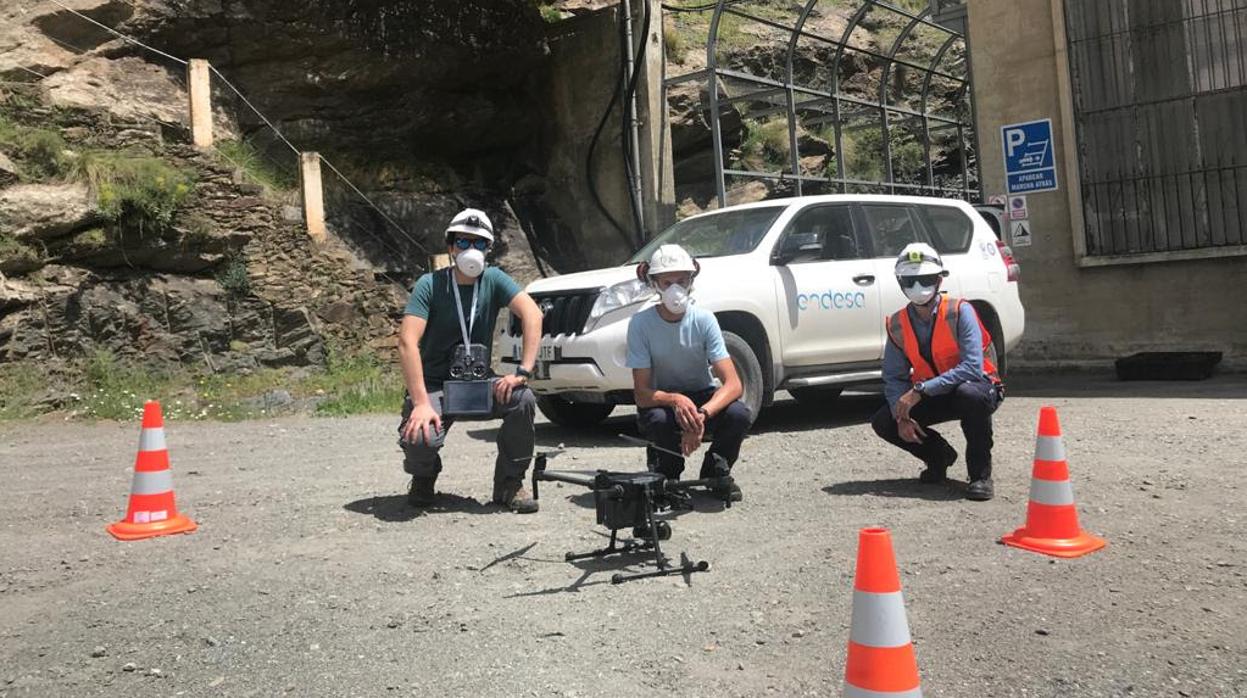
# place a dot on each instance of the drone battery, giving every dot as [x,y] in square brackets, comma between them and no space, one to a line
[468,398]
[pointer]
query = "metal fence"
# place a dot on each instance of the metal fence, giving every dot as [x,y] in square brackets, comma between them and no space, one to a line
[889,113]
[1160,94]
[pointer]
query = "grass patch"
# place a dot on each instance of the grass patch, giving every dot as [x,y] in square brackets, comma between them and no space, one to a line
[358,384]
[105,387]
[133,189]
[17,257]
[766,144]
[256,168]
[232,275]
[40,152]
[20,388]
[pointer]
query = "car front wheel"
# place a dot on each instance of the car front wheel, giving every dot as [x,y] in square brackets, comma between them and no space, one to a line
[748,368]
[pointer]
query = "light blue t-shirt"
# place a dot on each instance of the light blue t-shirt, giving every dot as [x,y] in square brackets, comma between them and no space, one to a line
[680,353]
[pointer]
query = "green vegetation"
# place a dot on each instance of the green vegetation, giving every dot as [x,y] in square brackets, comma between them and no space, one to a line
[356,385]
[133,189]
[16,256]
[232,275]
[551,14]
[255,167]
[41,152]
[105,387]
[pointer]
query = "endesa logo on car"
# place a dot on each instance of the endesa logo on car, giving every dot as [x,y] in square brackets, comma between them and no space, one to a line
[831,300]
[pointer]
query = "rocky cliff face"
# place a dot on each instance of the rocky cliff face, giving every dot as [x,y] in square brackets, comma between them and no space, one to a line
[115,234]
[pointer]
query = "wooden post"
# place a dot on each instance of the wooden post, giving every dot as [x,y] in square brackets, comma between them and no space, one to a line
[199,83]
[313,196]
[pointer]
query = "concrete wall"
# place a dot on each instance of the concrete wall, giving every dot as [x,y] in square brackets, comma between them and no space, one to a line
[584,64]
[1075,312]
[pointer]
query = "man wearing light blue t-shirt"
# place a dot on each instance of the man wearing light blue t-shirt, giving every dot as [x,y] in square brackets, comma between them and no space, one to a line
[675,352]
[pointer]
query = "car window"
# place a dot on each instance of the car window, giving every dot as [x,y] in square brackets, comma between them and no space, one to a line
[828,227]
[950,228]
[993,215]
[717,234]
[892,228]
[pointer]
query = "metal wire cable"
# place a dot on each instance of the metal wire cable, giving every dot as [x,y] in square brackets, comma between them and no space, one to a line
[119,35]
[399,228]
[267,122]
[32,72]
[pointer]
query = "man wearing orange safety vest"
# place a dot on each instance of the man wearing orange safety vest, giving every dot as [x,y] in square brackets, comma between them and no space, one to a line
[938,365]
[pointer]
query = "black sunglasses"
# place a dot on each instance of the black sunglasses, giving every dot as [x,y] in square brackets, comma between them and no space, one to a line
[924,280]
[479,243]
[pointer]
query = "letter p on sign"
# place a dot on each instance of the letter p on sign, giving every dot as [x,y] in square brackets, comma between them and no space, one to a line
[1013,138]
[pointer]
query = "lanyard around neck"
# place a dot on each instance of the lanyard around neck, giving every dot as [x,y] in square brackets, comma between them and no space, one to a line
[465,328]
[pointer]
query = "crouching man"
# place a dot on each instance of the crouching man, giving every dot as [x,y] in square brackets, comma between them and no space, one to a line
[447,334]
[673,349]
[938,366]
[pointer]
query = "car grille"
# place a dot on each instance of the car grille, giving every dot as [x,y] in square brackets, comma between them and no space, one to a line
[564,312]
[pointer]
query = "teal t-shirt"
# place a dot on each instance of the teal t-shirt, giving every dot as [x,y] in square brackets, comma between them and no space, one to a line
[433,300]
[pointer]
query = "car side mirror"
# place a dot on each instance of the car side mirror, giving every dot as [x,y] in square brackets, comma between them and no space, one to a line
[795,245]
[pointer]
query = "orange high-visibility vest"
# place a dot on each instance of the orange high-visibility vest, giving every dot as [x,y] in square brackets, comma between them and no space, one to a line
[944,349]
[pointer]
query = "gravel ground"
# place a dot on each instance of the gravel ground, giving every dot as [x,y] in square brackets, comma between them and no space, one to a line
[309,576]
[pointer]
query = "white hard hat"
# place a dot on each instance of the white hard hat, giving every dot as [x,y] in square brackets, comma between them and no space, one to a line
[670,258]
[472,221]
[918,259]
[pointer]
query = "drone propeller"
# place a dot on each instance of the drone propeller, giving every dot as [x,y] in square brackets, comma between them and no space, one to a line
[643,442]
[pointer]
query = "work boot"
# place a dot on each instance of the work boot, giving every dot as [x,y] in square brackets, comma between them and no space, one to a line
[981,490]
[714,466]
[512,494]
[937,470]
[422,492]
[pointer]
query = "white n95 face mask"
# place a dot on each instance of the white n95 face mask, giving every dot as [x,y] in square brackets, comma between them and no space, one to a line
[919,294]
[675,299]
[471,262]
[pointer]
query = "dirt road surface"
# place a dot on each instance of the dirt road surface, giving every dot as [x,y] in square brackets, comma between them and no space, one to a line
[309,576]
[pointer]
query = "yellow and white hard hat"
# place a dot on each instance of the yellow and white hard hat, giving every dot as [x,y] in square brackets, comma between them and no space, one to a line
[919,259]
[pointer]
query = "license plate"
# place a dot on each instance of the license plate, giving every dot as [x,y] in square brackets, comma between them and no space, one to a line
[545,352]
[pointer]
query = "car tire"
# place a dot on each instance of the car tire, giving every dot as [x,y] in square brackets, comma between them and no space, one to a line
[816,396]
[574,415]
[749,369]
[1002,361]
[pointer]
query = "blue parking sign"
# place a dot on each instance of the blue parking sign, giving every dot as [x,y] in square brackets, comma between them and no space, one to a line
[1029,163]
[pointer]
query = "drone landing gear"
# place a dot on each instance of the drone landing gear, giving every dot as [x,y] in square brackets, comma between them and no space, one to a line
[644,538]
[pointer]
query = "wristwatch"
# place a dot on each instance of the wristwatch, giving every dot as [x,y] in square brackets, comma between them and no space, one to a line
[523,372]
[918,388]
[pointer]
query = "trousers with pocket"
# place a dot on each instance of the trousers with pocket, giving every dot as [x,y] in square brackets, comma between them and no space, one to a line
[516,438]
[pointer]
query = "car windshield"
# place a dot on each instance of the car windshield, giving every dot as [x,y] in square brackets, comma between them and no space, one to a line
[715,235]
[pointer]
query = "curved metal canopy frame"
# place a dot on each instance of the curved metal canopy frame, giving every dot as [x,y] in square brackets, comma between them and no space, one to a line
[831,104]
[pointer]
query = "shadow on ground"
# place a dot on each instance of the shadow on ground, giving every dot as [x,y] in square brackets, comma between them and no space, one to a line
[394,507]
[908,488]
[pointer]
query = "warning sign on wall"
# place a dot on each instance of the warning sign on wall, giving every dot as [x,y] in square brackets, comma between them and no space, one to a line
[1020,233]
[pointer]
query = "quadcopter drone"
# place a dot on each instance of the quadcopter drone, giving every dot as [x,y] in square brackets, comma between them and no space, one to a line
[632,500]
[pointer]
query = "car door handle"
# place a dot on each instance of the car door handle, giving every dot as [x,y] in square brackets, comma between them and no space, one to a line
[864,279]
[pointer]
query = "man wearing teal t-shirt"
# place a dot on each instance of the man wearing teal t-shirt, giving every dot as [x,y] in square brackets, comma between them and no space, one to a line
[447,306]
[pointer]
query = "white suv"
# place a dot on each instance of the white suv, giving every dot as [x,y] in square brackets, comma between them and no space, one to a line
[800,286]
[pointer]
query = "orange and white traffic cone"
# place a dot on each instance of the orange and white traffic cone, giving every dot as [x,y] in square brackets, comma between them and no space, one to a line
[881,661]
[152,511]
[1051,519]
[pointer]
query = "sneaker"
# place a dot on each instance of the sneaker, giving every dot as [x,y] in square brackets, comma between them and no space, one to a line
[936,472]
[422,492]
[981,490]
[513,495]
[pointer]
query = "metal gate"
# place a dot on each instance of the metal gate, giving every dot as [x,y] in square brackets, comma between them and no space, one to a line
[1160,93]
[883,105]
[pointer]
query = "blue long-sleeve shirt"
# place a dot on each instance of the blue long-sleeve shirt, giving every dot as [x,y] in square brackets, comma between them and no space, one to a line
[896,366]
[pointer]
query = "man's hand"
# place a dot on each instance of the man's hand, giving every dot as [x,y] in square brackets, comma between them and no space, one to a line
[686,414]
[906,403]
[690,442]
[910,431]
[424,420]
[504,386]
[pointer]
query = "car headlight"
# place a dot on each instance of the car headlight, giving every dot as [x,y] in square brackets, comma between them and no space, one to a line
[619,296]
